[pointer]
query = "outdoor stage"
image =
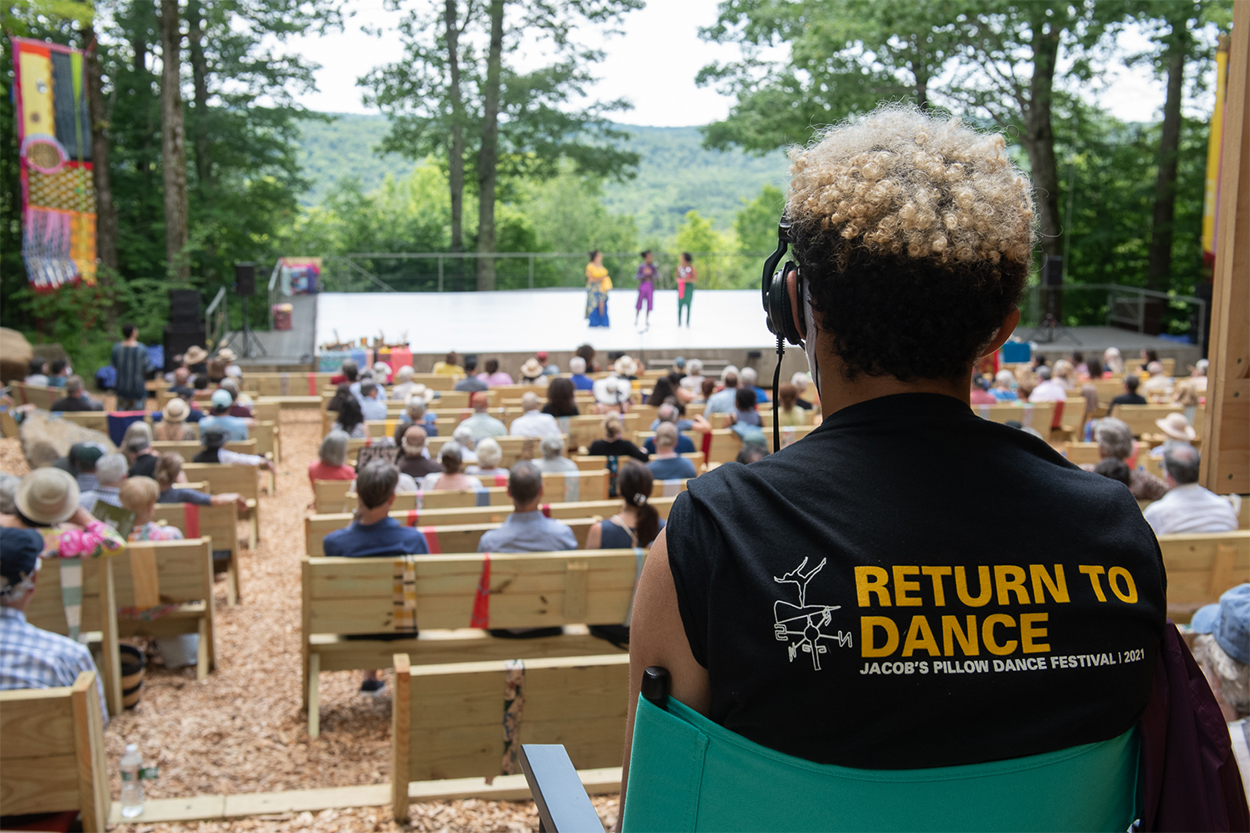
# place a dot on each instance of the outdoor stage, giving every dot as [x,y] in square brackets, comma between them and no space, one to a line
[513,325]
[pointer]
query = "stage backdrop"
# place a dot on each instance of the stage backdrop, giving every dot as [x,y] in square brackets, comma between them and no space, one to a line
[54,134]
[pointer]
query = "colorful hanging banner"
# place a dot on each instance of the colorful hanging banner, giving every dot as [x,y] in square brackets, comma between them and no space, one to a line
[54,137]
[1215,144]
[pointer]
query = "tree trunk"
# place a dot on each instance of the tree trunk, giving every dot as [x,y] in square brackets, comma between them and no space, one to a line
[1039,137]
[199,77]
[489,155]
[455,150]
[173,146]
[1159,268]
[106,213]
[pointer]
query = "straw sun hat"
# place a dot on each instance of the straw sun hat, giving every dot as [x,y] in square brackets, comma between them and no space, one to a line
[612,390]
[226,354]
[1177,427]
[195,355]
[531,369]
[625,366]
[176,410]
[47,496]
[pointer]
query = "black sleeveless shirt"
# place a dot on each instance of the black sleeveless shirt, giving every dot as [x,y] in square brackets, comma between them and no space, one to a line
[913,586]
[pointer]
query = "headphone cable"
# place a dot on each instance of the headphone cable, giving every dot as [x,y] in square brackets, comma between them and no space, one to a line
[781,352]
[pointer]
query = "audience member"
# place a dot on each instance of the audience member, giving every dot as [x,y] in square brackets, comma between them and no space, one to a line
[450,365]
[668,413]
[626,368]
[613,445]
[1078,364]
[577,369]
[708,387]
[8,493]
[75,399]
[482,424]
[1177,428]
[613,394]
[452,477]
[1113,361]
[1158,388]
[83,458]
[532,422]
[493,376]
[665,464]
[724,401]
[463,436]
[526,528]
[1064,375]
[470,382]
[489,456]
[110,471]
[1130,396]
[372,408]
[219,419]
[1093,370]
[754,448]
[381,373]
[1148,355]
[1047,390]
[531,371]
[331,462]
[788,411]
[351,420]
[140,495]
[1115,469]
[173,426]
[561,398]
[367,375]
[182,383]
[661,392]
[587,354]
[237,408]
[169,474]
[802,382]
[415,414]
[1191,391]
[749,379]
[637,523]
[414,459]
[48,501]
[549,369]
[745,408]
[38,374]
[137,446]
[693,380]
[404,386]
[553,460]
[980,394]
[57,373]
[348,373]
[30,657]
[1115,439]
[1188,506]
[130,359]
[1222,648]
[901,224]
[214,442]
[374,534]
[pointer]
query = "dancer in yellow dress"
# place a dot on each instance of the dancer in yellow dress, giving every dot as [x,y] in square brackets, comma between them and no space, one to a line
[598,282]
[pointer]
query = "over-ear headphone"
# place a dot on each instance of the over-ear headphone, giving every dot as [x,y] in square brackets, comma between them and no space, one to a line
[778,313]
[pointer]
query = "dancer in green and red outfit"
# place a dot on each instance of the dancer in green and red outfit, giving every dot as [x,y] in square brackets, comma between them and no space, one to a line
[685,286]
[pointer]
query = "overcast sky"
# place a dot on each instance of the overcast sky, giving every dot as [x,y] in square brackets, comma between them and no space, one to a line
[652,64]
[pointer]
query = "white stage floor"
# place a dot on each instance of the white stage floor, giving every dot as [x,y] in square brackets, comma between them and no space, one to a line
[521,321]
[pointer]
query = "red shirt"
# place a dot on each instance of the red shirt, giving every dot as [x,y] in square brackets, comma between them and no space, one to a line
[318,470]
[982,397]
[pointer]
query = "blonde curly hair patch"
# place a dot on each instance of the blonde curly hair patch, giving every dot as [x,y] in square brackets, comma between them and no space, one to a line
[900,182]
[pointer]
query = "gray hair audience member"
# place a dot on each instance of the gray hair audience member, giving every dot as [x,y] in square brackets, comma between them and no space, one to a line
[489,456]
[452,477]
[74,398]
[414,459]
[722,402]
[110,471]
[665,464]
[1115,439]
[553,460]
[1188,507]
[527,529]
[1222,648]
[463,436]
[8,491]
[137,446]
[533,422]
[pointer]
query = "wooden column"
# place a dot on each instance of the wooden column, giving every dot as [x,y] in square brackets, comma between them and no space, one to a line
[1226,452]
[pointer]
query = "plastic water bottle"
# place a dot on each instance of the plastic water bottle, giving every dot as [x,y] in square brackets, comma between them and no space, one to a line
[132,787]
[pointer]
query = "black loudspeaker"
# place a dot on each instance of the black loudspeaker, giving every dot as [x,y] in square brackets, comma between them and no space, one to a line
[1052,271]
[179,339]
[245,279]
[184,308]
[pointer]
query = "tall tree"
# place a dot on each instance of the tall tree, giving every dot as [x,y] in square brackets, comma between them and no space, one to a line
[106,212]
[455,149]
[173,145]
[1177,44]
[516,124]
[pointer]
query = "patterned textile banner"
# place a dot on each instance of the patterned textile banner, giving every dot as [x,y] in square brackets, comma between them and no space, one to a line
[54,135]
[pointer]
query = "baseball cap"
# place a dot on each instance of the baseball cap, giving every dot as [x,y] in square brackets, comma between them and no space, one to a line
[19,557]
[222,399]
[1229,622]
[86,455]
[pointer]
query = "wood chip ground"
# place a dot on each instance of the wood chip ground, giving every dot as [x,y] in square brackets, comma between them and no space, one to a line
[242,729]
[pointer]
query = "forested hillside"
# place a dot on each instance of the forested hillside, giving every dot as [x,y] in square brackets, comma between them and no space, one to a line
[676,174]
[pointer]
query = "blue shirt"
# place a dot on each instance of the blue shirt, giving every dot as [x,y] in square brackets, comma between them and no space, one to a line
[373,410]
[132,364]
[761,396]
[528,532]
[685,445]
[672,468]
[31,657]
[380,540]
[1004,395]
[721,402]
[582,382]
[185,496]
[234,427]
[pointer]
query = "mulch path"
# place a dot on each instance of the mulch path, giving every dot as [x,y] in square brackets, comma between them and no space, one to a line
[242,729]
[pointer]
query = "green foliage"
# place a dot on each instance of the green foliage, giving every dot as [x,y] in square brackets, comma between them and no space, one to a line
[756,222]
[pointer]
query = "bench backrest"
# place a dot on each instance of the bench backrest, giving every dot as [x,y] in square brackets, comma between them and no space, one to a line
[267,410]
[94,420]
[1037,415]
[288,384]
[53,756]
[40,396]
[220,523]
[333,495]
[586,428]
[189,448]
[1141,418]
[455,538]
[588,463]
[224,479]
[1201,566]
[446,718]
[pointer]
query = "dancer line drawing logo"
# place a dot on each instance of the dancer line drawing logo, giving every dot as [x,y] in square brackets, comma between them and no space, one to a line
[802,626]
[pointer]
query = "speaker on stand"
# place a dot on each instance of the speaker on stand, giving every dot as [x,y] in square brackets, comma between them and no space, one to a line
[1052,303]
[245,288]
[185,328]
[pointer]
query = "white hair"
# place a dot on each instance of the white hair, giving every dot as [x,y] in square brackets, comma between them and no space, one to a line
[729,368]
[1004,378]
[416,407]
[748,377]
[489,454]
[551,446]
[463,435]
[800,380]
[405,372]
[530,401]
[694,367]
[577,365]
[111,469]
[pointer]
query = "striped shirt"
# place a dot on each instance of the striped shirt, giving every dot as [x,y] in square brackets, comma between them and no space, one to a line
[132,365]
[31,657]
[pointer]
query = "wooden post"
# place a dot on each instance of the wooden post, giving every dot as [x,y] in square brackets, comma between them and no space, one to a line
[400,713]
[89,758]
[1226,438]
[110,651]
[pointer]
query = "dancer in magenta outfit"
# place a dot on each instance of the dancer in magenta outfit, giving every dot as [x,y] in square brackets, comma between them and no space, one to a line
[646,285]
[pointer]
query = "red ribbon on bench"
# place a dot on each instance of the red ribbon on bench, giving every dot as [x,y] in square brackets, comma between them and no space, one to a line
[312,384]
[707,446]
[546,510]
[501,480]
[431,539]
[412,517]
[191,518]
[481,600]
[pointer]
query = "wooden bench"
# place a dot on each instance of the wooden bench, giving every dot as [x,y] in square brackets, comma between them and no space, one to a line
[446,718]
[189,448]
[448,536]
[589,463]
[292,402]
[224,479]
[585,429]
[513,448]
[40,396]
[288,384]
[1037,415]
[333,495]
[1201,566]
[53,757]
[1141,418]
[219,523]
[356,597]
